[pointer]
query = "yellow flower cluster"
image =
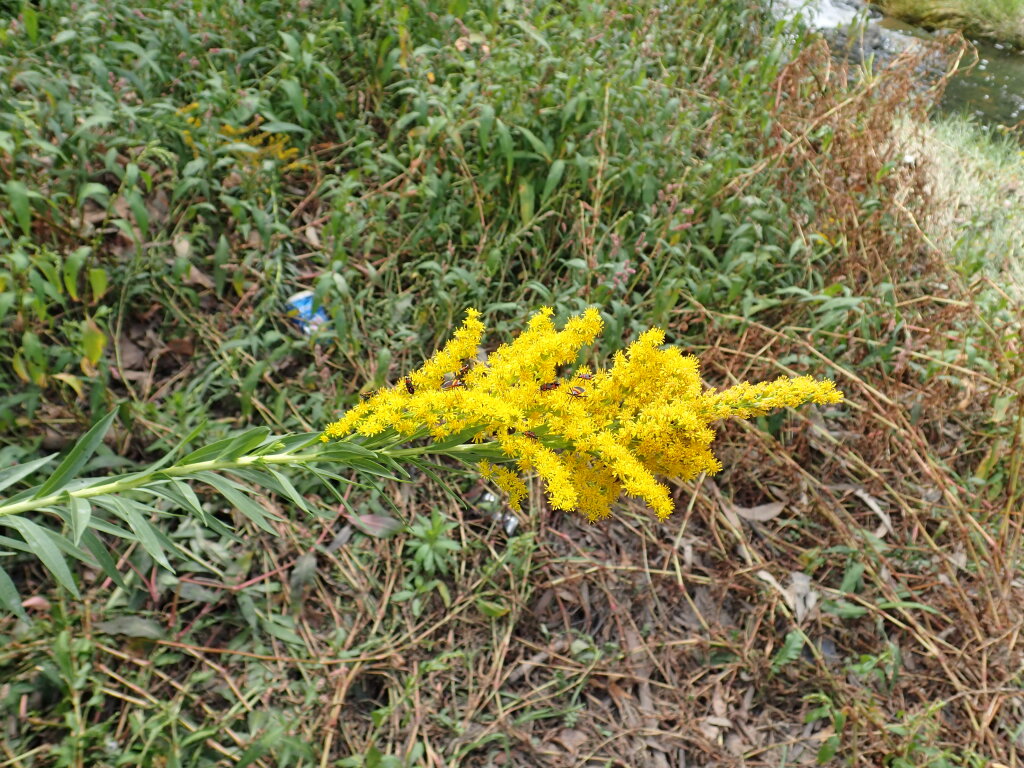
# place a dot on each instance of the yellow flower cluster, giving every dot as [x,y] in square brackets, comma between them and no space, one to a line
[264,145]
[590,435]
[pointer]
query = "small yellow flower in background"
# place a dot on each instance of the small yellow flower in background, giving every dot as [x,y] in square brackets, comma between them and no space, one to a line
[589,435]
[274,146]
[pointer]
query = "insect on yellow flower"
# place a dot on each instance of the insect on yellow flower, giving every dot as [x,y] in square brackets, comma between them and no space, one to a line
[645,416]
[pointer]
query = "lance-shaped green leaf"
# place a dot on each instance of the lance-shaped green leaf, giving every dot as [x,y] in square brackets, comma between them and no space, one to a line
[11,475]
[135,515]
[41,543]
[80,512]
[268,477]
[290,443]
[183,497]
[289,490]
[169,456]
[239,499]
[72,464]
[106,562]
[229,447]
[9,597]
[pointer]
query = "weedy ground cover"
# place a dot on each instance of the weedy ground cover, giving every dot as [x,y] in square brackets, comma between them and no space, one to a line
[847,588]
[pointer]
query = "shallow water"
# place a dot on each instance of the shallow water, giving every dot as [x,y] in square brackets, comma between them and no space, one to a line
[993,91]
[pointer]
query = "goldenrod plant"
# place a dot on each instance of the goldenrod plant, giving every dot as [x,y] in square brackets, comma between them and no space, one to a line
[590,435]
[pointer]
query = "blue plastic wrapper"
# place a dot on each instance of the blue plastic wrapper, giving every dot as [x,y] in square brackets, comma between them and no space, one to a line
[300,312]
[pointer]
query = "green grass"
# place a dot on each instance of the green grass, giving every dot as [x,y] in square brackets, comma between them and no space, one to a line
[982,191]
[169,175]
[1001,20]
[432,173]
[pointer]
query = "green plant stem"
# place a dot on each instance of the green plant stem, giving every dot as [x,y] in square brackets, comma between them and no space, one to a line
[465,451]
[136,480]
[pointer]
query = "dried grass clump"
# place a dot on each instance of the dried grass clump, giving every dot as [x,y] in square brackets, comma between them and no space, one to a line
[835,142]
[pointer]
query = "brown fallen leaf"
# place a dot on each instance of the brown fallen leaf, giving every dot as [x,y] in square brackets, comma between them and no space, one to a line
[571,739]
[195,277]
[184,347]
[762,513]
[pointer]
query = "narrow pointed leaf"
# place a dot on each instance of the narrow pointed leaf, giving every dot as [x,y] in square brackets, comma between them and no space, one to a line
[182,496]
[11,475]
[290,491]
[167,457]
[72,464]
[289,443]
[229,447]
[9,597]
[41,543]
[245,442]
[268,478]
[136,516]
[342,450]
[240,500]
[103,559]
[81,513]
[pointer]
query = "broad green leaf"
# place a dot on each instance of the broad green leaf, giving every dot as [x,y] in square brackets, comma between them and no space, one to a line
[283,628]
[64,36]
[539,146]
[506,146]
[97,282]
[828,750]
[553,180]
[41,543]
[491,608]
[93,341]
[279,126]
[11,475]
[30,16]
[18,197]
[77,458]
[72,268]
[95,191]
[526,201]
[9,597]
[486,123]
